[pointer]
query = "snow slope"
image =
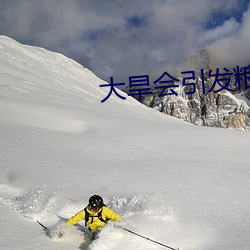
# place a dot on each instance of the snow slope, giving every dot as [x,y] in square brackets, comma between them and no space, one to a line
[176,183]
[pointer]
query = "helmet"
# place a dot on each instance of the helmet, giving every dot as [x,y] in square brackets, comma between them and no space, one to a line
[95,202]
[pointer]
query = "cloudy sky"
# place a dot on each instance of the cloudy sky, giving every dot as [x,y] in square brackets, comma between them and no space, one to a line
[123,38]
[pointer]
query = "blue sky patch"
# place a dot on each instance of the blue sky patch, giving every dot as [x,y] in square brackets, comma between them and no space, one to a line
[136,21]
[219,17]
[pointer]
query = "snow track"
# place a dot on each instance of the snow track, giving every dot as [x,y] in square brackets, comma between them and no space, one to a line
[32,204]
[146,214]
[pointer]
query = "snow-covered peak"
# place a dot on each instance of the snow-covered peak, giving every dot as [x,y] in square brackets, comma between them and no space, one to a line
[50,80]
[33,68]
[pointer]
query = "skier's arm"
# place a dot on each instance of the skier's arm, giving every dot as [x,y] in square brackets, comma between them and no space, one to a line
[110,214]
[77,217]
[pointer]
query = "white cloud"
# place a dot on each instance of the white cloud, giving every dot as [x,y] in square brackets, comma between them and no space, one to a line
[97,32]
[228,28]
[234,48]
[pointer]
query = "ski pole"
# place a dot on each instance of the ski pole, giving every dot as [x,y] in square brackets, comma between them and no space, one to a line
[146,238]
[45,228]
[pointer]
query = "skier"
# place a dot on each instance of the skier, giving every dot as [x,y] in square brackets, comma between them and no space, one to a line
[95,214]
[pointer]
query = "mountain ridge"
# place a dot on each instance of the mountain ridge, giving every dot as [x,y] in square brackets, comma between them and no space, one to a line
[206,105]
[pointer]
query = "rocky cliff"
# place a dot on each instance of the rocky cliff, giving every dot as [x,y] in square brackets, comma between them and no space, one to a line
[205,107]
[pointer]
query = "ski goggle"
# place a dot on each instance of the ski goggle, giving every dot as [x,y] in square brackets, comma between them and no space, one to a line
[94,208]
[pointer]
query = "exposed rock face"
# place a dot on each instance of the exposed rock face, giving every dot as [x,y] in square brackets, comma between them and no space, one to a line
[214,109]
[246,93]
[221,109]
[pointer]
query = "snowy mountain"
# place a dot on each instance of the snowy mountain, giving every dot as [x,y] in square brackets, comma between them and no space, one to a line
[179,184]
[199,101]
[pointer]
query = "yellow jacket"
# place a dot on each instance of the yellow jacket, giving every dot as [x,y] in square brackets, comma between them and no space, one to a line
[94,223]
